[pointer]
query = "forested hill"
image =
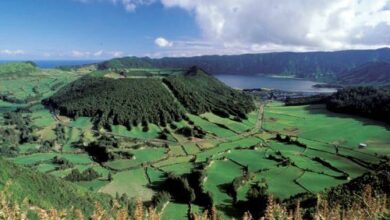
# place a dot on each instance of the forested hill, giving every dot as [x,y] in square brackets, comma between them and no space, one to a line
[132,101]
[373,73]
[46,191]
[16,69]
[311,65]
[364,101]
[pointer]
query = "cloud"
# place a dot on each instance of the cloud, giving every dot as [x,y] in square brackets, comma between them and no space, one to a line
[128,5]
[93,55]
[258,25]
[12,52]
[162,42]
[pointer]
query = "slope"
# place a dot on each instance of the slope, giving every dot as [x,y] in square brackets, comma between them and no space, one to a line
[47,191]
[311,65]
[373,73]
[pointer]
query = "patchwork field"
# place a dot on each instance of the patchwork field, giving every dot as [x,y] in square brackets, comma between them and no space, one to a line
[292,149]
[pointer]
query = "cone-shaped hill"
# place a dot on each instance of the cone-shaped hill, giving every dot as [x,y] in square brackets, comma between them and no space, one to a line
[131,101]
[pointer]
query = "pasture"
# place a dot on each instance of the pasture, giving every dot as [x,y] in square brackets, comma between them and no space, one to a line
[325,153]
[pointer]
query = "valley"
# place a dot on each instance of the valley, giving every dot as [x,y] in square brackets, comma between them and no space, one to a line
[182,132]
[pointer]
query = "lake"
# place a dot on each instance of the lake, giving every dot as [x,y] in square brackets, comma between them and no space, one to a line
[278,83]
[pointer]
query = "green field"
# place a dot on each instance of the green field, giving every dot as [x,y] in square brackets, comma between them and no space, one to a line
[133,183]
[325,153]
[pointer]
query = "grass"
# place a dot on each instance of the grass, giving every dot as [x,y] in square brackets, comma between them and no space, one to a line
[24,148]
[175,211]
[33,158]
[280,181]
[219,173]
[229,152]
[154,174]
[47,191]
[142,155]
[211,127]
[94,185]
[174,160]
[176,150]
[77,158]
[353,169]
[132,182]
[315,182]
[179,169]
[191,148]
[254,159]
[310,121]
[216,151]
[45,167]
[235,126]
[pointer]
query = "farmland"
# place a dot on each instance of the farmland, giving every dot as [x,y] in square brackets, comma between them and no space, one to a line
[293,149]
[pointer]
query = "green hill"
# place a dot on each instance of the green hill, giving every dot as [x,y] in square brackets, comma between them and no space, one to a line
[373,73]
[47,191]
[131,101]
[200,93]
[323,66]
[17,68]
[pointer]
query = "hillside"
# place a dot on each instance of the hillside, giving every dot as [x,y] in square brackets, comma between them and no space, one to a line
[364,101]
[311,65]
[46,191]
[148,100]
[200,93]
[226,154]
[120,101]
[17,69]
[373,73]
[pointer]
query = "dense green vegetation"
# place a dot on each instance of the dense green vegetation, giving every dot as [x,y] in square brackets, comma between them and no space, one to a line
[223,154]
[148,100]
[47,191]
[17,69]
[365,101]
[201,93]
[312,65]
[127,102]
[372,73]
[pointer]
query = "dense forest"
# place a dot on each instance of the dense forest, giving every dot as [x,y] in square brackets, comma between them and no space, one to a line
[200,93]
[127,102]
[364,101]
[130,102]
[373,73]
[312,65]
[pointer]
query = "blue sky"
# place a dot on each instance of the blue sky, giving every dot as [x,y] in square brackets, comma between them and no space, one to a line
[101,29]
[46,28]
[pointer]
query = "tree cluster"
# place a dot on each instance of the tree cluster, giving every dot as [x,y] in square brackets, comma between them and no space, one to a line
[364,101]
[61,163]
[87,175]
[22,124]
[200,93]
[127,102]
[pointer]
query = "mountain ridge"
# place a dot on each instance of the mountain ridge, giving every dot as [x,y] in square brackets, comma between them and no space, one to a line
[321,66]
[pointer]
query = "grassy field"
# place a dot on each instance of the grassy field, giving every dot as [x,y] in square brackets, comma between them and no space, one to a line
[218,174]
[329,153]
[132,182]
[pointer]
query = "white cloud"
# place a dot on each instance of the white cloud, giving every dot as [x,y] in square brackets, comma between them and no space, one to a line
[129,5]
[116,53]
[95,54]
[12,52]
[162,42]
[274,25]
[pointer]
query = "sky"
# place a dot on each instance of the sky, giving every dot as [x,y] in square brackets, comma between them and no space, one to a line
[103,29]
